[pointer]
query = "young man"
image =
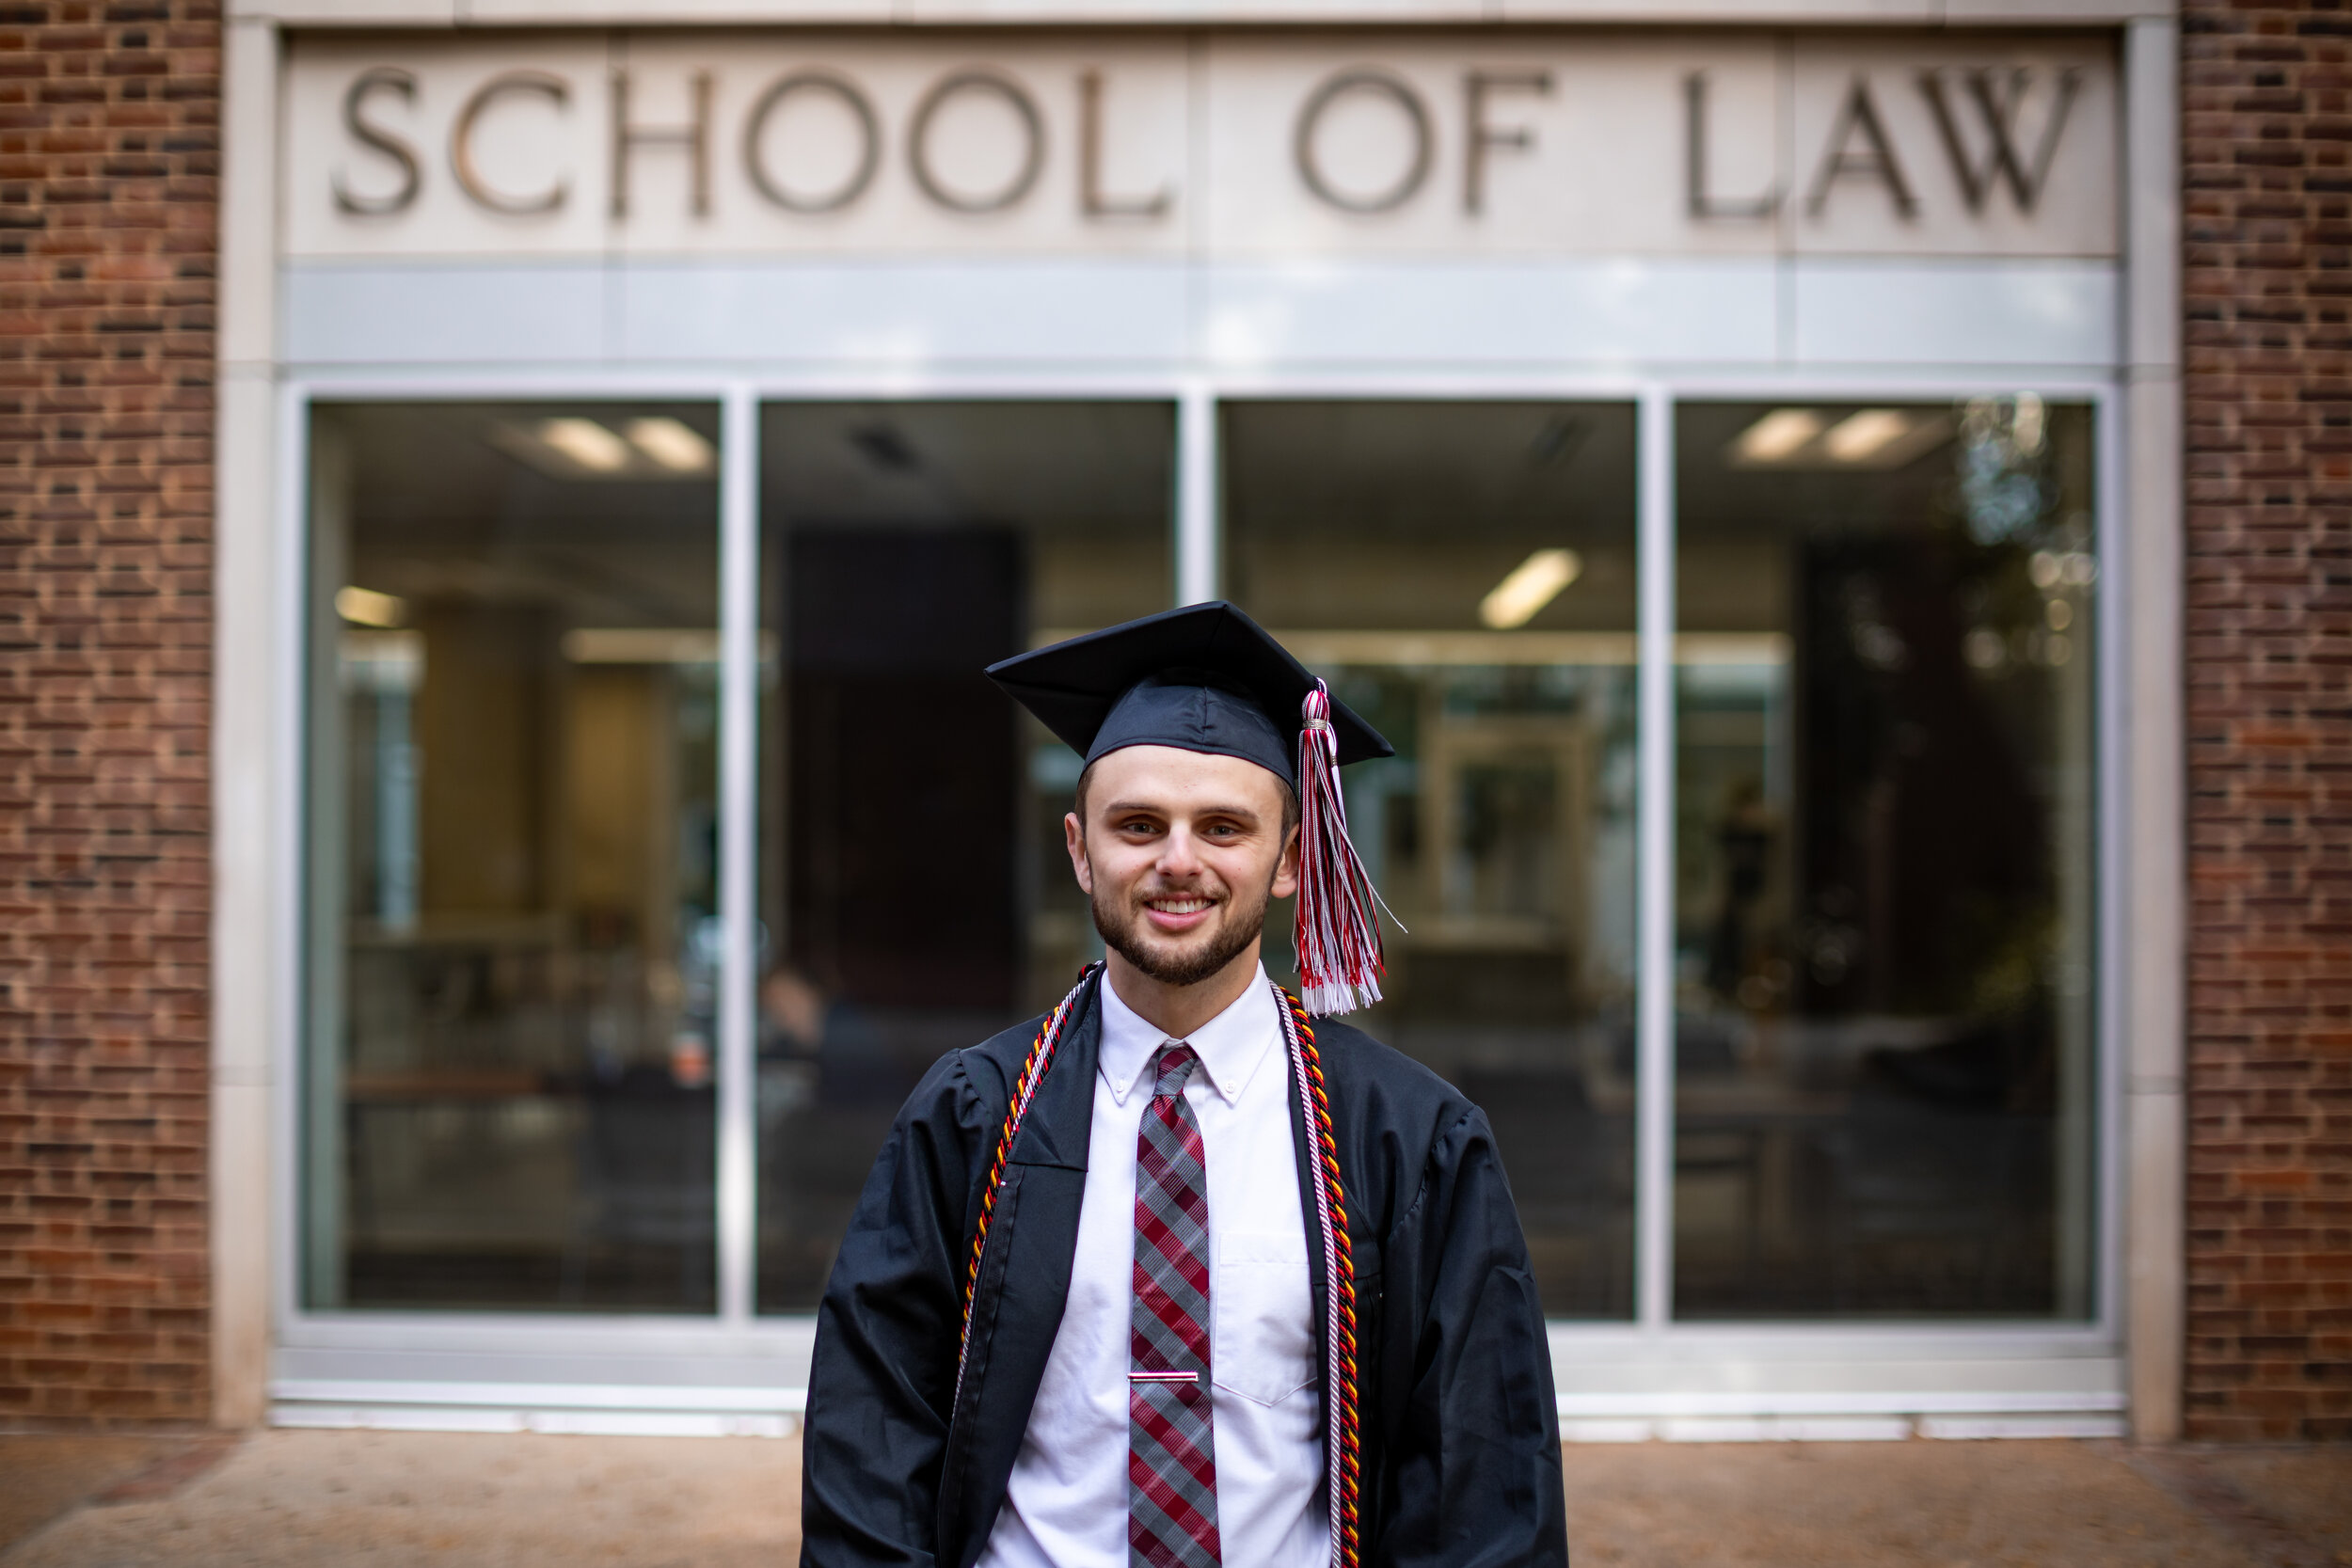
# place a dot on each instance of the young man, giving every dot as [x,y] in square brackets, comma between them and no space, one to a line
[1171,1276]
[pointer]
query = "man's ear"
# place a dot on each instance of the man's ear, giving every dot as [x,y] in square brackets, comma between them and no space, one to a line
[1286,869]
[1075,835]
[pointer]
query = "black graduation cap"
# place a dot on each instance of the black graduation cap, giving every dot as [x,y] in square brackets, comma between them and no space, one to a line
[1203,678]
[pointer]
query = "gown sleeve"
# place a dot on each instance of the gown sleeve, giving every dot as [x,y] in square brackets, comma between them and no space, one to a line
[883,1375]
[1473,1479]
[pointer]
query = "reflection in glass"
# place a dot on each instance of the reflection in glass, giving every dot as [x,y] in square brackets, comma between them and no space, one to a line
[914,895]
[1884,862]
[513,945]
[1462,573]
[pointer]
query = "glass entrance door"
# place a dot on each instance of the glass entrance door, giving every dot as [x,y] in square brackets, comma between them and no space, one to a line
[1883,690]
[512,966]
[1463,574]
[914,895]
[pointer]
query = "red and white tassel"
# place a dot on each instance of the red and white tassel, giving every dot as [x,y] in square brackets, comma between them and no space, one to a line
[1338,930]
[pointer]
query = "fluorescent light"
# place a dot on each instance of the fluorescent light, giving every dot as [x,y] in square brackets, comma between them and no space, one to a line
[642,645]
[1409,650]
[671,444]
[1777,434]
[651,645]
[586,443]
[1533,584]
[364,607]
[1859,438]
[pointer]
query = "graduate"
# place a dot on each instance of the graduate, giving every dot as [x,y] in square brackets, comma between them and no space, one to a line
[1177,1276]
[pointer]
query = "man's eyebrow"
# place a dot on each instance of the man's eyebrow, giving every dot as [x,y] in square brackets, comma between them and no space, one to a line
[1119,808]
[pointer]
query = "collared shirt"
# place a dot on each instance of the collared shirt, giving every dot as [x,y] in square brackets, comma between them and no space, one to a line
[1066,1504]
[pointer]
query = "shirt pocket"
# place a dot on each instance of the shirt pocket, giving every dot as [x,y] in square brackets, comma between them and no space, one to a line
[1263,1342]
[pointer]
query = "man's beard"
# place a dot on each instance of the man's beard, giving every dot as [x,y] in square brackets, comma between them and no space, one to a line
[1122,931]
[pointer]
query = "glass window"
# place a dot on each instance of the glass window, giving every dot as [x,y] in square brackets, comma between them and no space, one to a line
[914,895]
[1884,841]
[1462,575]
[512,708]
[1884,860]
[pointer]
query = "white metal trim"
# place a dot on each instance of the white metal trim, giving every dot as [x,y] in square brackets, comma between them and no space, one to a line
[1825,1340]
[738,1185]
[546,1422]
[2112,548]
[1908,384]
[1200,518]
[564,1396]
[288,898]
[1893,1402]
[538,1333]
[629,1396]
[1654,1018]
[686,1409]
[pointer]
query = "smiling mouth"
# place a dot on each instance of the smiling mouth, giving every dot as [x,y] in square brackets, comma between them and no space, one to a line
[1187,904]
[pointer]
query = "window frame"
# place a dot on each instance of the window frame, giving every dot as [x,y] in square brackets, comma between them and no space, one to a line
[748,1368]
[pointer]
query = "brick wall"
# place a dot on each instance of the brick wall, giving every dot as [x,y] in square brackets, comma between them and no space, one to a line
[109,158]
[2268,102]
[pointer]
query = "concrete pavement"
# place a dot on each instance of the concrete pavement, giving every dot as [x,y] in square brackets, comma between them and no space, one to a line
[362,1499]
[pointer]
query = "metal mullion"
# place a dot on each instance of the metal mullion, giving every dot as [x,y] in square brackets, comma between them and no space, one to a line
[2111,805]
[739,782]
[288,889]
[1196,542]
[1653,1140]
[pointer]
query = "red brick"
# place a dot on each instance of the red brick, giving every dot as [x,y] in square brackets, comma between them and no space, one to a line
[2269,714]
[105,603]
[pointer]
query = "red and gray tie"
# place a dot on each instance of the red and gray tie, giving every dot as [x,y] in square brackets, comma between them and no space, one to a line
[1171,1461]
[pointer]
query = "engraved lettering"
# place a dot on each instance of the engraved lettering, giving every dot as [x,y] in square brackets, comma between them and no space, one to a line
[1032,130]
[461,161]
[1860,113]
[1703,203]
[1998,112]
[382,140]
[1380,84]
[1482,137]
[869,142]
[1093,201]
[694,136]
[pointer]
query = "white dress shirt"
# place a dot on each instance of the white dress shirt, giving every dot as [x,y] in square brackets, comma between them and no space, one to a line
[1066,1504]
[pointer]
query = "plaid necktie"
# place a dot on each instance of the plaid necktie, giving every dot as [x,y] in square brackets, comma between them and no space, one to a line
[1171,1461]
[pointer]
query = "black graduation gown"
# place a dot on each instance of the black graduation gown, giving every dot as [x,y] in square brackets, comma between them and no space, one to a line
[1459,1430]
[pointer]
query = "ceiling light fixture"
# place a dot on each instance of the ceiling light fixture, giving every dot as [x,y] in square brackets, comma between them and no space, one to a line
[364,607]
[1778,436]
[1533,584]
[652,645]
[1859,438]
[586,443]
[672,445]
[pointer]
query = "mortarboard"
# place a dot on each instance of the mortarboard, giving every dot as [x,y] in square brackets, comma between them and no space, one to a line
[1204,678]
[1208,678]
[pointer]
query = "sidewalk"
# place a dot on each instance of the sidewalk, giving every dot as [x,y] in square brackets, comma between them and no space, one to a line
[366,1499]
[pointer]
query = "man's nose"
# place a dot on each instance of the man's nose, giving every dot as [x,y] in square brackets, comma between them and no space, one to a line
[1180,856]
